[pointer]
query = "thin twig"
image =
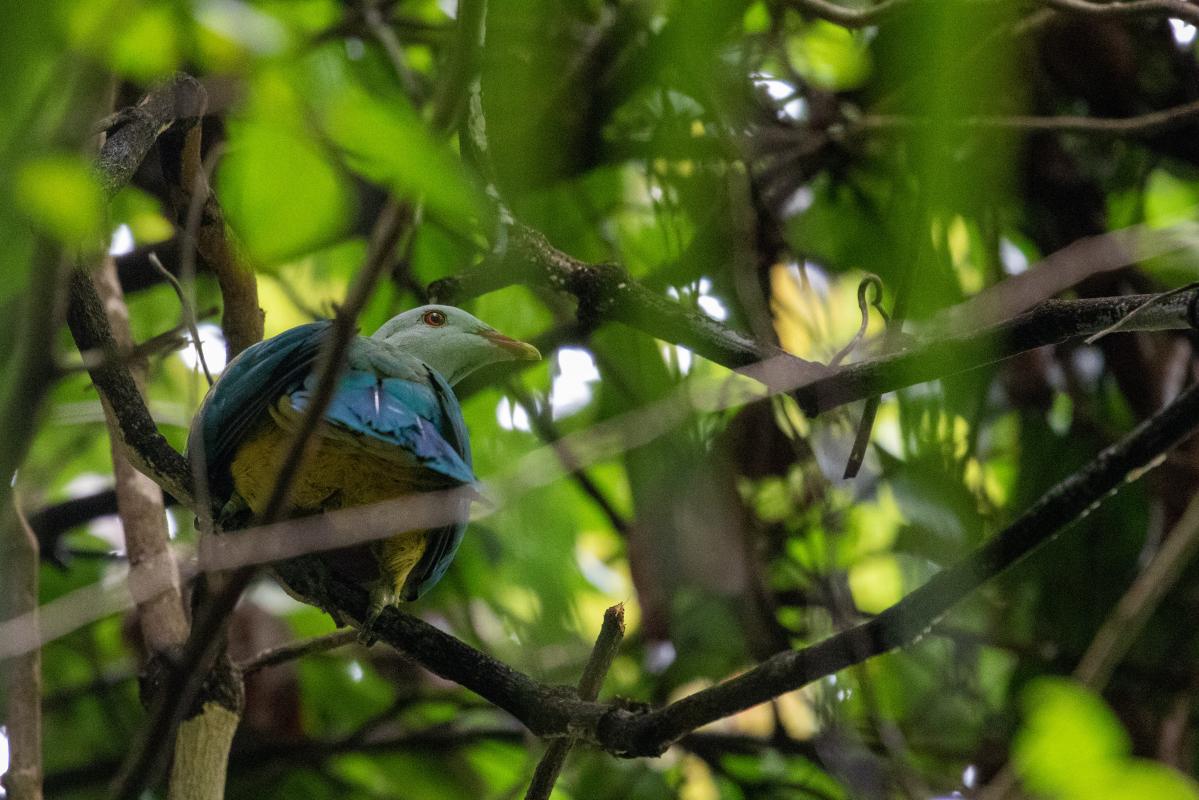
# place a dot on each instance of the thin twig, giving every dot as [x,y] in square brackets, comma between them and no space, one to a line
[1126,621]
[391,46]
[388,230]
[606,644]
[204,232]
[848,17]
[294,650]
[1142,125]
[1127,8]
[189,318]
[877,14]
[1125,322]
[158,344]
[549,434]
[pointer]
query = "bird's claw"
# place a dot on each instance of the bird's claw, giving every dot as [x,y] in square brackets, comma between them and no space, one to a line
[381,598]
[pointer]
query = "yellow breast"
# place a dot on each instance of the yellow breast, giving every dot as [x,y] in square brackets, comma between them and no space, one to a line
[335,474]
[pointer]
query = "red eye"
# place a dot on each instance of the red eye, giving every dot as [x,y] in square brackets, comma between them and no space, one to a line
[434,319]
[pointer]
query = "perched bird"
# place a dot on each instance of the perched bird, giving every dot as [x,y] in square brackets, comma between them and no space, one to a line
[392,427]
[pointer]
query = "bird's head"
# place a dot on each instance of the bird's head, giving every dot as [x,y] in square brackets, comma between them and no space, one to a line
[452,341]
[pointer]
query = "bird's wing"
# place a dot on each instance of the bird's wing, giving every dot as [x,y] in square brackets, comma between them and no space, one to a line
[420,416]
[413,417]
[406,415]
[442,542]
[250,384]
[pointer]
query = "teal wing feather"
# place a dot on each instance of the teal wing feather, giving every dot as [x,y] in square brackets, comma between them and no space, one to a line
[402,412]
[249,385]
[443,542]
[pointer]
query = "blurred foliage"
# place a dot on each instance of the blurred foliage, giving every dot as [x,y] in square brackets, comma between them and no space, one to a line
[1071,745]
[710,149]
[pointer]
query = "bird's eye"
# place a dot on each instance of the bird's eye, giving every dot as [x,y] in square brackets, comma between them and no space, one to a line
[434,319]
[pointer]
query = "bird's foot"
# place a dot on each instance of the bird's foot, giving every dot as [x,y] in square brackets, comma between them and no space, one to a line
[381,598]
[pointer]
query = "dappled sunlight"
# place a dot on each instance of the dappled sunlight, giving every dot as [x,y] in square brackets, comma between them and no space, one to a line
[559,324]
[574,374]
[212,343]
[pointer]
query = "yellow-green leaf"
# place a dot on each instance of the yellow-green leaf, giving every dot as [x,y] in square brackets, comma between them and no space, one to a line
[389,144]
[59,195]
[279,191]
[1070,742]
[148,44]
[829,56]
[143,214]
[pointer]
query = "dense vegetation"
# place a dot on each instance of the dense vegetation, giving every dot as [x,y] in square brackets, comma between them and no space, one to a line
[667,197]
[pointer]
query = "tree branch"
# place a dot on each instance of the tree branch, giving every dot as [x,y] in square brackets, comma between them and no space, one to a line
[848,17]
[606,644]
[131,134]
[1051,322]
[1141,125]
[906,621]
[21,676]
[140,503]
[133,131]
[293,650]
[877,14]
[1127,8]
[202,225]
[148,449]
[625,730]
[605,292]
[611,294]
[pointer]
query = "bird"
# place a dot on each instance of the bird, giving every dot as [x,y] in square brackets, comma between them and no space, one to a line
[393,427]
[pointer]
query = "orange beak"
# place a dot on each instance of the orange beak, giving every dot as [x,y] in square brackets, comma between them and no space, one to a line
[521,351]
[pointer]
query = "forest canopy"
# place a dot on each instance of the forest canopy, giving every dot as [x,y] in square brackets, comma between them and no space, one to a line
[857,464]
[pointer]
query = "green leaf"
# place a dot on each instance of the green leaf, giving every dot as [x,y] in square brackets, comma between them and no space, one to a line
[1070,742]
[757,18]
[829,56]
[148,45]
[59,195]
[1072,746]
[1142,778]
[279,192]
[390,145]
[143,214]
[1169,199]
[876,582]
